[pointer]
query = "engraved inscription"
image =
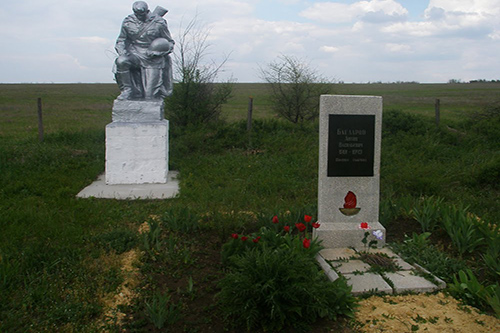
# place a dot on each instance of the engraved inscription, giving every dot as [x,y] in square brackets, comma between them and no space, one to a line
[351,145]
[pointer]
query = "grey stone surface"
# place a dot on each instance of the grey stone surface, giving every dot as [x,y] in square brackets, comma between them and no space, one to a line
[384,250]
[332,190]
[351,266]
[342,234]
[440,282]
[99,189]
[367,282]
[345,261]
[407,281]
[337,253]
[137,153]
[137,111]
[330,273]
[403,264]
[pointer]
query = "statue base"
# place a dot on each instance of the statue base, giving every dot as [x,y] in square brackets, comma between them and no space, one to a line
[137,144]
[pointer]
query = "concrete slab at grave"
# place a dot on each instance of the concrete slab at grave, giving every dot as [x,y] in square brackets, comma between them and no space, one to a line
[368,282]
[407,281]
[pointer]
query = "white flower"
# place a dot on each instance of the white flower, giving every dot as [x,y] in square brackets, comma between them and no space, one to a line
[378,234]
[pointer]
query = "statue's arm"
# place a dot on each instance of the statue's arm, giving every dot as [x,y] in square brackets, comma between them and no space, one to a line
[120,45]
[165,33]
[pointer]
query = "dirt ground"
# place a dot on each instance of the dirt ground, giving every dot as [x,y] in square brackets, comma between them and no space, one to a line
[419,313]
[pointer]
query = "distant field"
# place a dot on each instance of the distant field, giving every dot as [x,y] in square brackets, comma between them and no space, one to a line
[456,99]
[84,106]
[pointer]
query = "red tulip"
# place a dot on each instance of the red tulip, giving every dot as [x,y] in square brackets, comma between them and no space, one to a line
[307,218]
[275,219]
[235,236]
[286,228]
[300,226]
[306,243]
[244,238]
[315,225]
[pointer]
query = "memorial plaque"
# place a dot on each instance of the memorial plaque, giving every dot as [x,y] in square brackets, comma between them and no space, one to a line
[351,145]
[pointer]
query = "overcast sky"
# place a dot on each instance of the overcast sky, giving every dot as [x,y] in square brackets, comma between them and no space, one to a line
[347,40]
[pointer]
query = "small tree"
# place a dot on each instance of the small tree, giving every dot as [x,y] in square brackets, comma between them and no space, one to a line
[295,88]
[197,98]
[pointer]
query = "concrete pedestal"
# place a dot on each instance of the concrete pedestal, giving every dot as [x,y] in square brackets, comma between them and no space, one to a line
[137,144]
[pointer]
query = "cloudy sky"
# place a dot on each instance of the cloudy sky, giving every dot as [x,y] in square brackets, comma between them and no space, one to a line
[346,40]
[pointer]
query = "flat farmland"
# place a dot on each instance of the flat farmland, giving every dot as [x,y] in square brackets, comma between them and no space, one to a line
[82,106]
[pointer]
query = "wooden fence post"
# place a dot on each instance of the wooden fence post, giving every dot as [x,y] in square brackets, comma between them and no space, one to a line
[437,110]
[40,120]
[249,116]
[249,120]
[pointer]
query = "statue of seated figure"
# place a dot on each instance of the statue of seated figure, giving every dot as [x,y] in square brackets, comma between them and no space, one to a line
[143,69]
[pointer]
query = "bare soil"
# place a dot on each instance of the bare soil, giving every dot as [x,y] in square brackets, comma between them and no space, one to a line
[430,313]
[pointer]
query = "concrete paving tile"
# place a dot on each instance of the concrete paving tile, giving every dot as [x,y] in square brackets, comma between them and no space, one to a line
[407,281]
[337,254]
[330,273]
[440,282]
[403,264]
[351,266]
[367,282]
[384,250]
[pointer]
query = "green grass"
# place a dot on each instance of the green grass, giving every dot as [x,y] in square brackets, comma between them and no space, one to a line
[54,267]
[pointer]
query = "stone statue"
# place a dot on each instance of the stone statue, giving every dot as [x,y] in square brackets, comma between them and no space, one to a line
[143,69]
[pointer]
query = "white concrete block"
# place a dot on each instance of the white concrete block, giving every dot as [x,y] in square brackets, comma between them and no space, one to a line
[137,111]
[137,153]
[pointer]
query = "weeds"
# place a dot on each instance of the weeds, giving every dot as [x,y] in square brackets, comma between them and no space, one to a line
[151,240]
[427,213]
[418,249]
[180,219]
[462,229]
[472,292]
[162,311]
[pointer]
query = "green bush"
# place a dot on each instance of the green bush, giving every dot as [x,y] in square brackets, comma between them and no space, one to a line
[269,238]
[293,231]
[486,124]
[397,121]
[488,175]
[272,289]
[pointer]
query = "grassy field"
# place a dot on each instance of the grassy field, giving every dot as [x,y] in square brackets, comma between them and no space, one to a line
[455,99]
[61,258]
[80,106]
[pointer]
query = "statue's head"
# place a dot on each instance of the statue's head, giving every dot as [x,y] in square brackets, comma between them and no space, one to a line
[141,10]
